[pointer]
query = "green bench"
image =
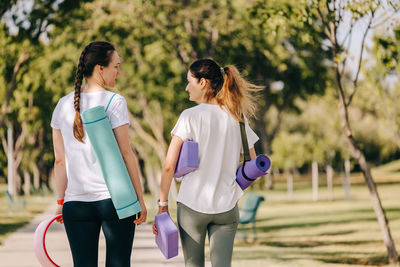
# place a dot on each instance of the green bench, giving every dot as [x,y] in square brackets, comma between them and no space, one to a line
[14,205]
[248,211]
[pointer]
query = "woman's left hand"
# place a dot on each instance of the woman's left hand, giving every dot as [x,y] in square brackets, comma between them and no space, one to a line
[161,209]
[142,215]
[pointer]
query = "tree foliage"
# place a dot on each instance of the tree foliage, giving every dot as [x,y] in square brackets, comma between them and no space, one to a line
[277,44]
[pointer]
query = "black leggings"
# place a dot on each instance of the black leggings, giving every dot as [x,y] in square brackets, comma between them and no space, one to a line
[83,221]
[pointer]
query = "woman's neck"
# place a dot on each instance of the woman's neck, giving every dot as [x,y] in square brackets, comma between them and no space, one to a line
[92,85]
[212,101]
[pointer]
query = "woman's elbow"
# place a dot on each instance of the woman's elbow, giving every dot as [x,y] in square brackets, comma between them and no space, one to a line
[167,168]
[59,162]
[126,152]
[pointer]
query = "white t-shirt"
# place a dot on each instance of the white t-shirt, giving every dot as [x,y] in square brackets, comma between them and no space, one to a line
[212,188]
[85,178]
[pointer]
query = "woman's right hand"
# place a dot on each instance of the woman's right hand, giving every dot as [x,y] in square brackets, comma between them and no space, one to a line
[160,210]
[59,211]
[142,215]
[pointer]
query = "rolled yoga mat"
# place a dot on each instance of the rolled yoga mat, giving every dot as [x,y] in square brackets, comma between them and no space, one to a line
[252,170]
[112,164]
[39,242]
[188,159]
[167,237]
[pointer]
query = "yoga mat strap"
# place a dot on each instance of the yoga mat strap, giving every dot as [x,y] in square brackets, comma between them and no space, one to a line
[245,143]
[244,174]
[109,102]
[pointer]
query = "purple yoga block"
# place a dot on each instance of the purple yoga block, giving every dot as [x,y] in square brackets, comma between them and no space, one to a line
[188,159]
[167,237]
[253,169]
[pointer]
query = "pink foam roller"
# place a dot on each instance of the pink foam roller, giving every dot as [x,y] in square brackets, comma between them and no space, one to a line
[39,242]
[167,237]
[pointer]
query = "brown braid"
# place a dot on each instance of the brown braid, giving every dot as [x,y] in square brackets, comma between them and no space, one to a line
[78,127]
[96,53]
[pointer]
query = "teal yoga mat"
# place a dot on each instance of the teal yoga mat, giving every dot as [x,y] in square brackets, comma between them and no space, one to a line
[112,164]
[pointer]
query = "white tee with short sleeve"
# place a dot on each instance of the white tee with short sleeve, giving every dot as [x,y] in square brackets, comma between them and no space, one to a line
[85,178]
[212,188]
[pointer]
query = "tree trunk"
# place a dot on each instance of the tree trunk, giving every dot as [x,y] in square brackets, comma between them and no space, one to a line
[36,177]
[360,157]
[346,180]
[40,163]
[17,176]
[289,184]
[269,182]
[155,139]
[264,140]
[51,180]
[338,51]
[27,183]
[329,181]
[152,180]
[142,182]
[262,129]
[17,157]
[4,107]
[18,183]
[314,181]
[377,205]
[10,160]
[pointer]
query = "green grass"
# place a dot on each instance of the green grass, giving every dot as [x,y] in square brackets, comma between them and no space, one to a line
[11,222]
[393,166]
[295,232]
[302,232]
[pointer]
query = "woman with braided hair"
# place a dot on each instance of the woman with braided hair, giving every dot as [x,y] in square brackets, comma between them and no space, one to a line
[207,199]
[83,197]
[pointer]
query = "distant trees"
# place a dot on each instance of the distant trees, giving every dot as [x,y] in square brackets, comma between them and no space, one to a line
[331,15]
[157,40]
[291,47]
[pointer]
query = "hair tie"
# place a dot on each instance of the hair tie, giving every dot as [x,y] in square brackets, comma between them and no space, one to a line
[222,70]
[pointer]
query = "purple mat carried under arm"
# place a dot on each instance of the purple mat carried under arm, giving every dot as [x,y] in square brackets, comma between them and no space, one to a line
[253,169]
[188,160]
[167,237]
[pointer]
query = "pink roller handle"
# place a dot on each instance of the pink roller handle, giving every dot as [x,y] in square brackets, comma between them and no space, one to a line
[39,242]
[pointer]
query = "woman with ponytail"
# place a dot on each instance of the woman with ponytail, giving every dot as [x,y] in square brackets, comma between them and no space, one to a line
[207,199]
[83,197]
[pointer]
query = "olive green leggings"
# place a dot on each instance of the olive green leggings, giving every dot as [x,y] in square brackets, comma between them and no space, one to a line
[221,229]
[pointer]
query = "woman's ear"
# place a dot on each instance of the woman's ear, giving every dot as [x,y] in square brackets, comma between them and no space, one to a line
[99,68]
[203,83]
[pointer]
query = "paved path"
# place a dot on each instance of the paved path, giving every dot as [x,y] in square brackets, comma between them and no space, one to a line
[17,249]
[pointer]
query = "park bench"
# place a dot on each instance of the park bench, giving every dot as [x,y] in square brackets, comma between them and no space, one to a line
[248,211]
[15,205]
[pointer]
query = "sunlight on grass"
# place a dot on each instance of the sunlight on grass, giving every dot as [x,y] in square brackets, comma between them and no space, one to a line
[290,232]
[11,222]
[301,232]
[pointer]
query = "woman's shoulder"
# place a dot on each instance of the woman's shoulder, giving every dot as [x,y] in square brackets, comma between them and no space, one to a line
[67,97]
[201,110]
[115,96]
[201,107]
[191,112]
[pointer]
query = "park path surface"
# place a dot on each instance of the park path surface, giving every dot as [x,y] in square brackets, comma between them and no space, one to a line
[17,249]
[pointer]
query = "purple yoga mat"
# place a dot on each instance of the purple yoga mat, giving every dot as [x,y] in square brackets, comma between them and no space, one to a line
[253,169]
[188,160]
[167,237]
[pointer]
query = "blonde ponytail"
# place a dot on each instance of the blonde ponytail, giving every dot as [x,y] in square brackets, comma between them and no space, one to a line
[237,94]
[232,91]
